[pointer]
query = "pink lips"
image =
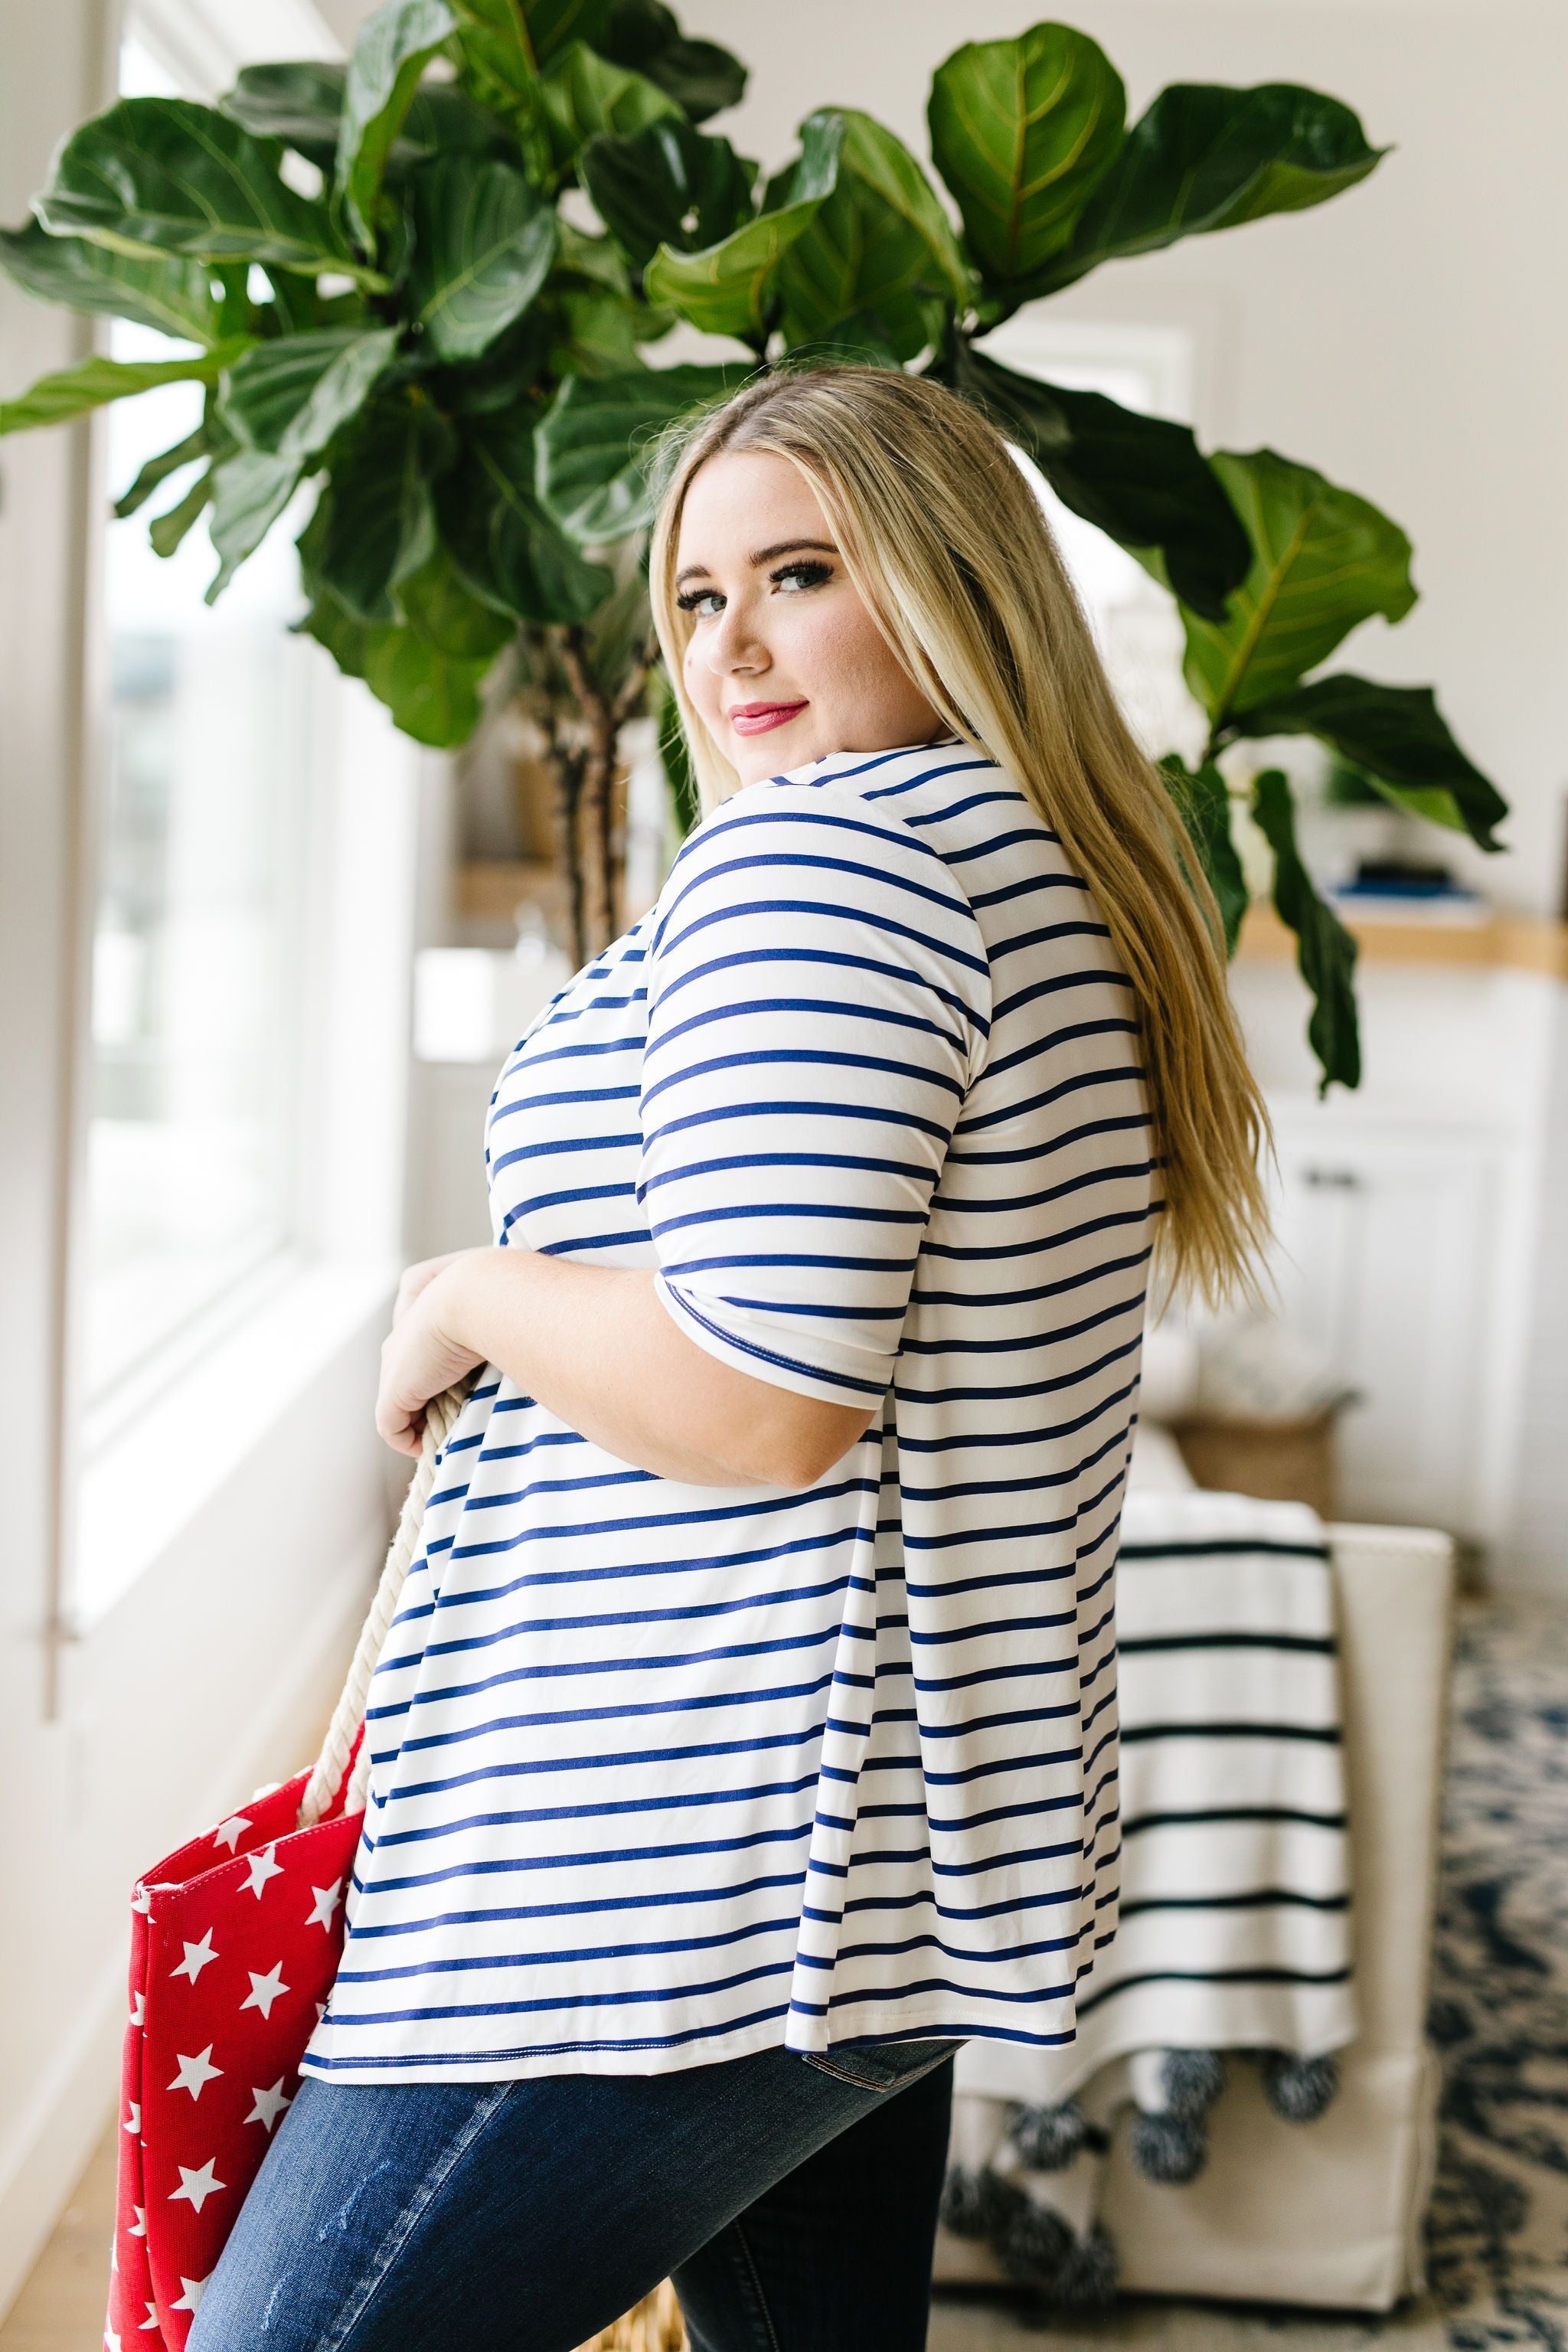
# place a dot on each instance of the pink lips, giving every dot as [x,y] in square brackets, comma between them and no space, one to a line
[757,717]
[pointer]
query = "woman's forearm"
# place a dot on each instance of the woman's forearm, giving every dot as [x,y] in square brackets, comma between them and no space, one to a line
[596,1346]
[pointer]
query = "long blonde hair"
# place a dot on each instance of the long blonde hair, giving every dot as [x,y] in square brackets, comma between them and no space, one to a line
[951,550]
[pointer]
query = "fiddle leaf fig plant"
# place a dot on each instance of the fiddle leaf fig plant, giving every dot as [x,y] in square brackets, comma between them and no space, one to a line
[427,288]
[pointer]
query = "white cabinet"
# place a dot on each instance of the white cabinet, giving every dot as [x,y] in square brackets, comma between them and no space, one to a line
[1423,1224]
[1388,1259]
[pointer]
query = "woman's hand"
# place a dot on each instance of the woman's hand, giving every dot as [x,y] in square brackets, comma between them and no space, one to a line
[417,1277]
[422,1354]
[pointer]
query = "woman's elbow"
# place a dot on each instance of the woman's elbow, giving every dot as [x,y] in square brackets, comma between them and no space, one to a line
[797,1448]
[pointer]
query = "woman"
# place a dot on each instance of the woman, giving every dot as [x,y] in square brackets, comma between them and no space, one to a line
[748,1736]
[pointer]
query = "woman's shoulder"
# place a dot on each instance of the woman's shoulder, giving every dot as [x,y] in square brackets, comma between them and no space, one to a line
[825,819]
[803,852]
[904,800]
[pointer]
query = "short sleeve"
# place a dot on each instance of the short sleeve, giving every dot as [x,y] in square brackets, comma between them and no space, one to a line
[818,1009]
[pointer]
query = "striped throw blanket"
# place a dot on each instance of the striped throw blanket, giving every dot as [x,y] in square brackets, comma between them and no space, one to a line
[1234,1932]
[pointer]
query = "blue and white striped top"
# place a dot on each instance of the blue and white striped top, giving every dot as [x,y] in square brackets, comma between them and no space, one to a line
[666,1774]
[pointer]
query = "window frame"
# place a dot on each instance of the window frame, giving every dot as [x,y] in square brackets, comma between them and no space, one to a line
[227,1377]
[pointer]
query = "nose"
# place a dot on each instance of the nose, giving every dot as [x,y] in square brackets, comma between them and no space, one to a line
[732,642]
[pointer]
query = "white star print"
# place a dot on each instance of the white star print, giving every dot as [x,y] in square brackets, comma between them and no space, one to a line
[150,2320]
[142,1901]
[270,2105]
[326,1902]
[262,1866]
[138,2014]
[197,2186]
[195,2074]
[139,2226]
[134,2122]
[113,2255]
[264,1990]
[111,2341]
[229,1833]
[191,2298]
[196,1958]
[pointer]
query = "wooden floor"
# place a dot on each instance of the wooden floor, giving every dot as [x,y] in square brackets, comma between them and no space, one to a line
[61,2308]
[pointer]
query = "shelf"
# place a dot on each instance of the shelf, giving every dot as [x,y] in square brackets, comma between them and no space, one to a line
[488,890]
[1501,942]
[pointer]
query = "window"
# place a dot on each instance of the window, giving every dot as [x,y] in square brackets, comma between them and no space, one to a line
[195,1018]
[1135,622]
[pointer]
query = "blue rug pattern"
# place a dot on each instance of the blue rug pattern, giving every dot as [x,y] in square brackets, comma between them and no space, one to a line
[1499,2223]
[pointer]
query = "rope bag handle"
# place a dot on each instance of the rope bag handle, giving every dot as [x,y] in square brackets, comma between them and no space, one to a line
[321,1788]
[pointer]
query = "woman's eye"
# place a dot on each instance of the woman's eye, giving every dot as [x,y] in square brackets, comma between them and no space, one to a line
[691,600]
[804,575]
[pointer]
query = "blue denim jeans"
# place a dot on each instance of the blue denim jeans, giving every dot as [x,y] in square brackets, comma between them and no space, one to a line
[792,2200]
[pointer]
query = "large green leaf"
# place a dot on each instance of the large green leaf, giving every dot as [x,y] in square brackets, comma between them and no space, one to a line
[594,441]
[668,186]
[299,103]
[250,491]
[890,337]
[166,175]
[1325,951]
[509,550]
[71,391]
[884,167]
[167,531]
[725,287]
[445,120]
[392,51]
[507,372]
[433,696]
[597,260]
[553,25]
[1399,736]
[878,243]
[618,638]
[700,77]
[289,397]
[378,523]
[1021,129]
[1203,804]
[1323,561]
[159,469]
[1142,479]
[483,246]
[1205,157]
[440,606]
[599,333]
[154,289]
[584,94]
[499,67]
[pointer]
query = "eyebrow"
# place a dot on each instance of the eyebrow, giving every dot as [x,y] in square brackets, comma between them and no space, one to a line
[763,555]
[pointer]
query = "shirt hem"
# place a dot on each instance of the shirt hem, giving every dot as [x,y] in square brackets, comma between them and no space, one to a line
[892,2024]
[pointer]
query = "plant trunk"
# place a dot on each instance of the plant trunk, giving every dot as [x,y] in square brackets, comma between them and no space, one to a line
[592,862]
[582,730]
[568,767]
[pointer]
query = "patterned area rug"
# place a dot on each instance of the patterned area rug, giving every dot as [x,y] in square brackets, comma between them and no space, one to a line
[1499,2231]
[1499,2224]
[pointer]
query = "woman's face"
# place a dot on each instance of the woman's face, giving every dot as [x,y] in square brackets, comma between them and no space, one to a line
[785,663]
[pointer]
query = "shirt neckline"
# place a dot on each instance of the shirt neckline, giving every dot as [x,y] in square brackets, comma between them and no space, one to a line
[884,751]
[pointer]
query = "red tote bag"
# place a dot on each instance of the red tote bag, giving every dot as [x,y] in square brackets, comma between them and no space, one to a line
[234,1942]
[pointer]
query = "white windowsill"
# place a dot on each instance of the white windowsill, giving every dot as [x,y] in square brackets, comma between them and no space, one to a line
[131,1508]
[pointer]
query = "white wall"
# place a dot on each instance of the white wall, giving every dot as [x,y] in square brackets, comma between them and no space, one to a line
[214,1670]
[1410,339]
